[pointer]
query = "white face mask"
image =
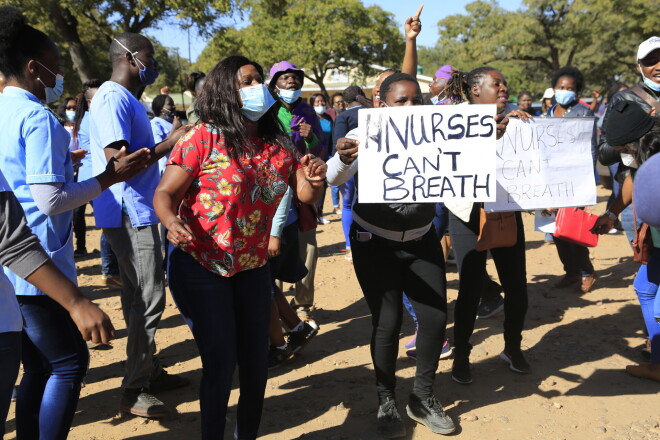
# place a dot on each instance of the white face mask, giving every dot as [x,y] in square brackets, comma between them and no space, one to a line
[629,160]
[319,109]
[70,115]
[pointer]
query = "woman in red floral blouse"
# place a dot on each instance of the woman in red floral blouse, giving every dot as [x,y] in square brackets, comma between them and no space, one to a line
[217,198]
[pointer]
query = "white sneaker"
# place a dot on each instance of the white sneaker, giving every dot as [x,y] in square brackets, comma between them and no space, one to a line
[323,221]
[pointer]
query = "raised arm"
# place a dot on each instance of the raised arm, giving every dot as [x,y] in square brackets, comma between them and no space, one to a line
[413,26]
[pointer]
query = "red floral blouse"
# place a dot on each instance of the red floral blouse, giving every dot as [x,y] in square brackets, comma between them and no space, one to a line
[230,204]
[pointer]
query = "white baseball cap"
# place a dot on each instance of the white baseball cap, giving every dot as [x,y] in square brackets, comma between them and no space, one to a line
[647,47]
[549,93]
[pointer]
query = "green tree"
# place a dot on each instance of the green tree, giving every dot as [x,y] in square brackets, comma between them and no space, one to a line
[80,25]
[318,36]
[599,37]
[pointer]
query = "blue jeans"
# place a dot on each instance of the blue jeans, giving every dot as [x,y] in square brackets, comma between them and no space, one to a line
[347,190]
[55,360]
[646,286]
[10,359]
[627,221]
[109,264]
[334,191]
[229,318]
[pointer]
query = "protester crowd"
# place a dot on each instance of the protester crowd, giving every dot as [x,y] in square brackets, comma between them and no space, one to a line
[222,204]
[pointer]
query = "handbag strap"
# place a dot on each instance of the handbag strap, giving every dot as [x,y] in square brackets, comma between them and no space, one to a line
[650,100]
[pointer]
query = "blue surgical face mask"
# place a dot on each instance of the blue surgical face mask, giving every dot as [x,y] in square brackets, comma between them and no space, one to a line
[70,115]
[319,109]
[564,97]
[290,96]
[53,93]
[148,75]
[434,99]
[650,84]
[256,101]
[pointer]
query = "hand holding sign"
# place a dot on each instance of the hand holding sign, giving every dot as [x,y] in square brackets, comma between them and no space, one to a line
[347,150]
[413,25]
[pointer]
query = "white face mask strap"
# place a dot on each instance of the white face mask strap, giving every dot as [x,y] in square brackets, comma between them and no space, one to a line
[46,69]
[129,51]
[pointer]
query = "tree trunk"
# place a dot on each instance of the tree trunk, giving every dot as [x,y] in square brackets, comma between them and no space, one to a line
[67,26]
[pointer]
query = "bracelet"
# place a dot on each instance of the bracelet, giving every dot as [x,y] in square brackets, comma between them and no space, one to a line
[612,216]
[314,180]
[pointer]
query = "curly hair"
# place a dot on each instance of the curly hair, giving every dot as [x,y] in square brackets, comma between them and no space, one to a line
[569,72]
[218,104]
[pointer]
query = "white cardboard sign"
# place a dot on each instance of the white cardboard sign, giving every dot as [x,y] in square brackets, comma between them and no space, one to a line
[545,163]
[418,154]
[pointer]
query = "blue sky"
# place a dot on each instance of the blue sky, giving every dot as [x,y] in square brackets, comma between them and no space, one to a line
[434,10]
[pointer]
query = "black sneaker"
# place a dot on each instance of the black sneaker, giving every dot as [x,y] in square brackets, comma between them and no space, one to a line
[297,340]
[430,413]
[165,382]
[460,370]
[277,357]
[516,361]
[490,308]
[389,423]
[140,403]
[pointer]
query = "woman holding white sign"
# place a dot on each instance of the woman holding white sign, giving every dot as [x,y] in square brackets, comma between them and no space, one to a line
[486,85]
[568,83]
[395,249]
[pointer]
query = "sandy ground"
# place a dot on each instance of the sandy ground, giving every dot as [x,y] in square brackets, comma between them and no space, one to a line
[577,344]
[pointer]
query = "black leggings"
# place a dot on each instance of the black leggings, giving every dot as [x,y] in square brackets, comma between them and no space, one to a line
[511,269]
[385,269]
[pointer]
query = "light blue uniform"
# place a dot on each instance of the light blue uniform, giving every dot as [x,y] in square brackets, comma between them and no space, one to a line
[35,149]
[161,129]
[85,172]
[116,115]
[10,314]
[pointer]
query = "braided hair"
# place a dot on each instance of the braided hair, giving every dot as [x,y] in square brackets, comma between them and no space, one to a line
[459,87]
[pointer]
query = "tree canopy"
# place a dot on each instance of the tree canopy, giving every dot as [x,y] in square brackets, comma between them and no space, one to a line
[83,29]
[315,35]
[600,37]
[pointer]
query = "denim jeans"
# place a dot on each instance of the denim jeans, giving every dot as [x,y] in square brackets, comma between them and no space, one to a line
[109,264]
[142,297]
[10,359]
[229,318]
[334,191]
[646,286]
[55,360]
[347,190]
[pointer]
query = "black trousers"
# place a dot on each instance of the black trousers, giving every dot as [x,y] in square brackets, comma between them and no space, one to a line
[574,257]
[511,269]
[80,226]
[385,269]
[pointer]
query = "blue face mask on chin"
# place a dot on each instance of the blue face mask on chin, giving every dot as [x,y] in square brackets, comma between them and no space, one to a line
[290,96]
[564,97]
[650,84]
[257,100]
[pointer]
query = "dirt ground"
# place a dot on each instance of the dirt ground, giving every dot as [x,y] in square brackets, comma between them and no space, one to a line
[577,345]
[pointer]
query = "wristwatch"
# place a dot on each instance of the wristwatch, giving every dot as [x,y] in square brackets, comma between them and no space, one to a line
[612,216]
